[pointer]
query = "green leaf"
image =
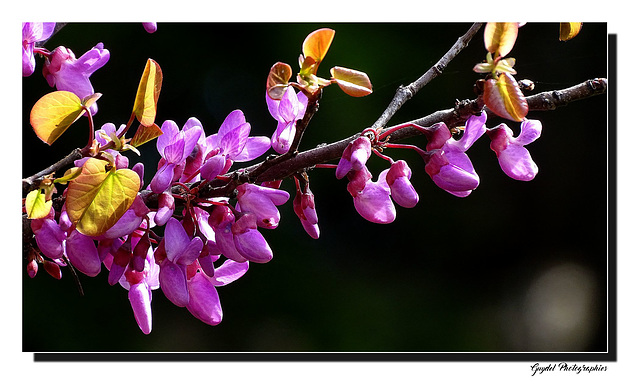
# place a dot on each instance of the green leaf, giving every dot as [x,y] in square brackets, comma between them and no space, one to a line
[99,196]
[145,134]
[37,205]
[504,97]
[569,30]
[146,101]
[317,43]
[54,113]
[352,82]
[499,38]
[278,80]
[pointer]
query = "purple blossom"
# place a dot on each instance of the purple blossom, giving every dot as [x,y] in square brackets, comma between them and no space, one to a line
[446,160]
[372,200]
[31,34]
[262,202]
[174,146]
[56,240]
[180,251]
[513,158]
[402,190]
[289,109]
[239,240]
[354,156]
[150,27]
[140,284]
[204,302]
[231,144]
[66,73]
[305,208]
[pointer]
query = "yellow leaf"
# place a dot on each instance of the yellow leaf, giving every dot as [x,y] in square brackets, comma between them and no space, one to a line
[37,205]
[352,82]
[68,175]
[99,196]
[317,43]
[499,38]
[144,134]
[54,113]
[569,30]
[148,91]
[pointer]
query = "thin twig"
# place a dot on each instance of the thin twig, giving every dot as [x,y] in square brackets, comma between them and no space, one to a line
[403,94]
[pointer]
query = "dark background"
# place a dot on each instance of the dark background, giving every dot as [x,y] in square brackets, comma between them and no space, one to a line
[516,266]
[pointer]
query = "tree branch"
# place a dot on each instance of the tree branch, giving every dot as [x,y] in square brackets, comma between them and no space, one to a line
[403,94]
[544,101]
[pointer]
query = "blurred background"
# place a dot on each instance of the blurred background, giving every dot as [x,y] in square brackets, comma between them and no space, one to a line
[516,266]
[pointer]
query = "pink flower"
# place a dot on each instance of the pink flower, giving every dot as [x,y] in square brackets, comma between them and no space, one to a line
[287,111]
[150,27]
[204,302]
[31,34]
[305,208]
[372,200]
[402,190]
[181,251]
[513,158]
[354,156]
[67,73]
[262,202]
[446,161]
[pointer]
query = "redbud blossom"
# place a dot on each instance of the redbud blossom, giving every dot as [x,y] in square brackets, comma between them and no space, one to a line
[373,202]
[446,160]
[150,27]
[67,73]
[305,208]
[354,156]
[287,111]
[204,302]
[231,143]
[513,158]
[402,191]
[31,34]
[174,145]
[262,202]
[180,251]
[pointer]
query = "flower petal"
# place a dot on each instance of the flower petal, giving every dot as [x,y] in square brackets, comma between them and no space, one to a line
[173,282]
[228,272]
[516,162]
[204,303]
[140,299]
[83,254]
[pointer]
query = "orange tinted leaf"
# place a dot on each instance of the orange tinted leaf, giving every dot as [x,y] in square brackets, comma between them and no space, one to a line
[504,97]
[278,79]
[146,101]
[569,30]
[317,43]
[37,205]
[54,113]
[352,82]
[144,134]
[89,100]
[98,197]
[499,38]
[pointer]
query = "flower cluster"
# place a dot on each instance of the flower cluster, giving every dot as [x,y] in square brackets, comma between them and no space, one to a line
[185,261]
[446,162]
